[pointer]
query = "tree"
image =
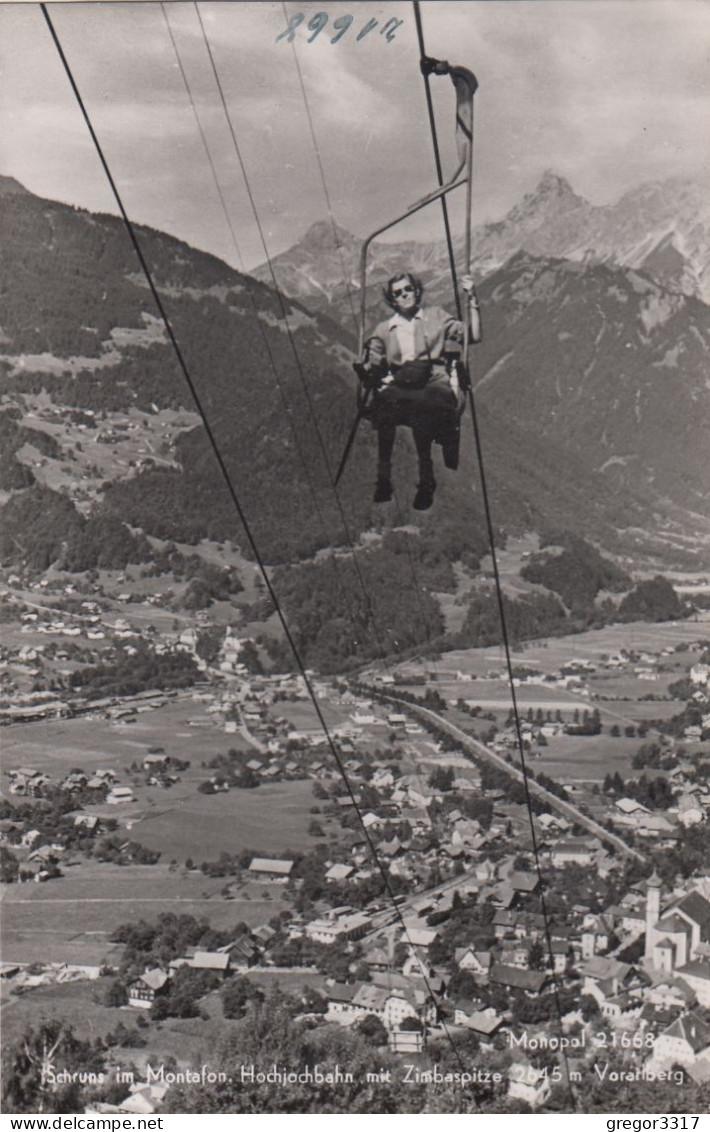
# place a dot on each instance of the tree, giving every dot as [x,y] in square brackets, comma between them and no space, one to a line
[372,1028]
[442,778]
[9,865]
[236,994]
[537,959]
[116,994]
[32,1068]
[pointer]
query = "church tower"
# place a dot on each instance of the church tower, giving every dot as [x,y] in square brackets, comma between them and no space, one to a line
[653,914]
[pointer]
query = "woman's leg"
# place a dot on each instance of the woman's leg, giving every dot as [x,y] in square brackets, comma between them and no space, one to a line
[386,432]
[427,484]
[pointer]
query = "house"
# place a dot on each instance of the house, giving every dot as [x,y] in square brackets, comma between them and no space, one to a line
[392,1006]
[264,934]
[405,1041]
[243,953]
[119,794]
[88,821]
[574,851]
[515,978]
[156,762]
[270,869]
[336,928]
[696,974]
[338,872]
[690,811]
[378,959]
[605,977]
[524,882]
[467,959]
[595,936]
[143,991]
[217,961]
[485,1023]
[630,806]
[340,998]
[418,937]
[683,1041]
[526,1083]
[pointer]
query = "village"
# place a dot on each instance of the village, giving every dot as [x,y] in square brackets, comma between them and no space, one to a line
[429,898]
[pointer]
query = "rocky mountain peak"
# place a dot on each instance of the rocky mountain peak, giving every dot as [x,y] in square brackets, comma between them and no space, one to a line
[552,194]
[325,236]
[9,187]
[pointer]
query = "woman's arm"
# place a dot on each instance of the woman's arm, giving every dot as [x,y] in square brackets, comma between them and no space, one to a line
[469,289]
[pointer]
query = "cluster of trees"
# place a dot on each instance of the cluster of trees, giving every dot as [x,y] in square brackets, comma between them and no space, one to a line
[121,852]
[103,542]
[526,617]
[133,671]
[589,723]
[40,527]
[575,575]
[652,600]
[654,793]
[13,474]
[167,938]
[692,715]
[184,992]
[342,612]
[655,757]
[52,816]
[574,570]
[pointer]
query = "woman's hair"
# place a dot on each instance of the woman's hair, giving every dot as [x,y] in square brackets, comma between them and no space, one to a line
[416,283]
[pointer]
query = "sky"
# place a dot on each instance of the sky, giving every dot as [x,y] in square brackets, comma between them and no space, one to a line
[607,93]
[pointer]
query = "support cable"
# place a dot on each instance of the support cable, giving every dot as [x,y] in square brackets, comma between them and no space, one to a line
[289,332]
[235,499]
[249,289]
[235,243]
[437,158]
[343,267]
[503,622]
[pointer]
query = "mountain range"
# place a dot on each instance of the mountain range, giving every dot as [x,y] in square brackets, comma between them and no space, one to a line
[591,395]
[661,229]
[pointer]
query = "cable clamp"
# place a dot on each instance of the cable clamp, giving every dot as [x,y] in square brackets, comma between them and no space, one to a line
[430,66]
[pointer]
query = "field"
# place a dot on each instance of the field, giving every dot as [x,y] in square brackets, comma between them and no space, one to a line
[270,818]
[71,919]
[179,822]
[75,1003]
[55,746]
[550,653]
[587,759]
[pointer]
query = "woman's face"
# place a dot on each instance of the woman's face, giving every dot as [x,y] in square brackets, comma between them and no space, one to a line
[404,296]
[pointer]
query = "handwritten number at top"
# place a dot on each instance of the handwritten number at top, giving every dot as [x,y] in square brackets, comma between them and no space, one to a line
[317,23]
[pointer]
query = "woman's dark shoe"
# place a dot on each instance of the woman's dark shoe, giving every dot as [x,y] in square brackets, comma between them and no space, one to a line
[425,495]
[383,490]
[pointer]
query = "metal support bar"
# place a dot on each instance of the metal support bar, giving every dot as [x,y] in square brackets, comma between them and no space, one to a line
[466,84]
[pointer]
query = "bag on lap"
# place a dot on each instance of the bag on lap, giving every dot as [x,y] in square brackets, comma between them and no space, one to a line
[415,374]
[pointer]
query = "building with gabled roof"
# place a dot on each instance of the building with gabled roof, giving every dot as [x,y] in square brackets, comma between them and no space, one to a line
[271,869]
[526,1083]
[339,872]
[524,882]
[470,959]
[217,961]
[675,936]
[143,991]
[516,978]
[683,1041]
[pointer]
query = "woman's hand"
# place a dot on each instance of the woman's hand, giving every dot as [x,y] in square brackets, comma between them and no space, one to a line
[469,288]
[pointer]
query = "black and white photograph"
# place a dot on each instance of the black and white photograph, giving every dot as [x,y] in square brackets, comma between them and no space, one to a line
[355,559]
